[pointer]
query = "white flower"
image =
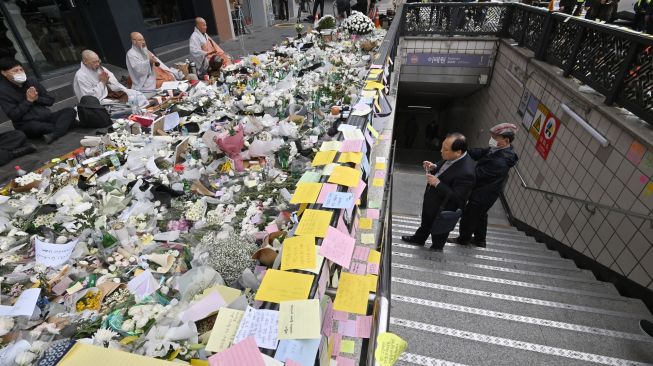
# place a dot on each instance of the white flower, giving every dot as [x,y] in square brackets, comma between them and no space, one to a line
[103,336]
[24,358]
[39,347]
[6,324]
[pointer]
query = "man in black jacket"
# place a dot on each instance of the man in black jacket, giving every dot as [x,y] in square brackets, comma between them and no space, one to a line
[492,166]
[449,183]
[25,101]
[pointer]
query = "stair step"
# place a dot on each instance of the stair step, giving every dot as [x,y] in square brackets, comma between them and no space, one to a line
[516,258]
[492,250]
[481,348]
[407,358]
[525,241]
[490,232]
[520,291]
[417,219]
[501,246]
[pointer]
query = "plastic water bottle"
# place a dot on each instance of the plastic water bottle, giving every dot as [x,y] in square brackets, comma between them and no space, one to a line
[19,171]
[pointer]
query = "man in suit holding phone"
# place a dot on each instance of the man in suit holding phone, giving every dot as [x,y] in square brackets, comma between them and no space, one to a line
[449,183]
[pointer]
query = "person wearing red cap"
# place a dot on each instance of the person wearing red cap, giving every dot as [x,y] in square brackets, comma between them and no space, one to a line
[492,166]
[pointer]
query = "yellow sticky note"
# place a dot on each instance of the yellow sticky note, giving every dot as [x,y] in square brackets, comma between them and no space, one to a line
[379,166]
[347,346]
[82,354]
[324,157]
[306,193]
[196,362]
[368,93]
[224,329]
[365,223]
[228,294]
[373,130]
[331,145]
[314,223]
[301,209]
[374,85]
[298,253]
[279,286]
[388,348]
[377,182]
[375,71]
[345,176]
[299,319]
[71,290]
[648,190]
[367,238]
[350,157]
[374,256]
[352,294]
[372,280]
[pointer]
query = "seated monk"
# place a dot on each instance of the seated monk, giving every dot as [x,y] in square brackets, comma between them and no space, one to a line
[146,71]
[203,49]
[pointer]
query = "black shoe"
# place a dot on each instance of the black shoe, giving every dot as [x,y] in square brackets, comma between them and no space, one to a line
[411,240]
[49,138]
[458,241]
[438,250]
[23,150]
[479,243]
[646,326]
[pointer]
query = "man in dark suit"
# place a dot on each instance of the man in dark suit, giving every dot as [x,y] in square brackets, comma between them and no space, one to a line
[492,166]
[449,183]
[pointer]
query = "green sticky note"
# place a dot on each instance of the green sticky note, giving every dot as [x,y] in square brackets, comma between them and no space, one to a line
[310,177]
[347,346]
[374,203]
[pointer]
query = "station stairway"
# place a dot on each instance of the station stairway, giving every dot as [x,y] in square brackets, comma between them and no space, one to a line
[514,302]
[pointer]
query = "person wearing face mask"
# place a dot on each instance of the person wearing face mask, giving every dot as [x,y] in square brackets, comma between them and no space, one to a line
[203,49]
[146,71]
[492,166]
[25,101]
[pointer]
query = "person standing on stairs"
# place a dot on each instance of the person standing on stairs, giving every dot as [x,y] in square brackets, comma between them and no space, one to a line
[449,183]
[492,166]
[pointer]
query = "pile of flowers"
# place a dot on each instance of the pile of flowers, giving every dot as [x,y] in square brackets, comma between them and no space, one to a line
[127,234]
[358,23]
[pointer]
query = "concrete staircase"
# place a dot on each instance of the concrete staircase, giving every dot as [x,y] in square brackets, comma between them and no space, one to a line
[512,303]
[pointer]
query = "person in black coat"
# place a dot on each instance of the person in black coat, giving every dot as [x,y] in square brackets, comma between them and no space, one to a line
[492,166]
[449,183]
[25,101]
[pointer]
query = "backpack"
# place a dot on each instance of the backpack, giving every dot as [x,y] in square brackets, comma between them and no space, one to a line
[92,114]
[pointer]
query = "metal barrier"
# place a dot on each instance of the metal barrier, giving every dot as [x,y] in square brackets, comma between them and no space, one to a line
[615,62]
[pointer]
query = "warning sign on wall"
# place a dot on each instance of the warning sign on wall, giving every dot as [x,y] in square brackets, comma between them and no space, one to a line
[548,131]
[540,117]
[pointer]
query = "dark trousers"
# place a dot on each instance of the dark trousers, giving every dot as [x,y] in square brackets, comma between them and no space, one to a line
[474,221]
[283,10]
[321,4]
[58,124]
[10,141]
[425,229]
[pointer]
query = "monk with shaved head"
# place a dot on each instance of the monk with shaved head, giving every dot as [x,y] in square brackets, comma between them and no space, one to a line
[94,80]
[203,49]
[146,71]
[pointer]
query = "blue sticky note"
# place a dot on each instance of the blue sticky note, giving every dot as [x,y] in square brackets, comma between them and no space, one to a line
[365,163]
[302,351]
[338,200]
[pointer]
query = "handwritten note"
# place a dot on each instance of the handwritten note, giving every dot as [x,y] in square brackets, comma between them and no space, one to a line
[363,326]
[368,238]
[339,200]
[299,319]
[350,157]
[338,247]
[344,361]
[347,328]
[204,307]
[352,294]
[326,189]
[330,145]
[314,223]
[359,268]
[82,354]
[278,286]
[260,324]
[365,223]
[361,253]
[244,353]
[372,213]
[324,157]
[298,253]
[351,146]
[224,329]
[53,255]
[306,193]
[301,351]
[388,348]
[345,176]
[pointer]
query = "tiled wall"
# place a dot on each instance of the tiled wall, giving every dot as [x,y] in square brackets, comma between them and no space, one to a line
[619,175]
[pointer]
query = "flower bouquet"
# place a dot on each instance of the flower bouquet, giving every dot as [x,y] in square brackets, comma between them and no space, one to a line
[358,23]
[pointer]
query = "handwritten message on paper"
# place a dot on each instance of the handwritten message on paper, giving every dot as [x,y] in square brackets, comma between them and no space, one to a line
[301,351]
[326,189]
[298,253]
[338,246]
[53,255]
[204,307]
[299,319]
[352,294]
[388,348]
[243,353]
[224,329]
[314,223]
[262,325]
[339,200]
[279,286]
[306,193]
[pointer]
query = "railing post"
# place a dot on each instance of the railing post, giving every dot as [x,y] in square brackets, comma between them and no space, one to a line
[505,28]
[545,37]
[574,52]
[621,75]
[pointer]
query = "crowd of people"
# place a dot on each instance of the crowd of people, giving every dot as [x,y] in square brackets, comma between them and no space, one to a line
[27,103]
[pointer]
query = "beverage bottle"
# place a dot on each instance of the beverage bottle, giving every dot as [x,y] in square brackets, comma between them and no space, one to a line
[19,171]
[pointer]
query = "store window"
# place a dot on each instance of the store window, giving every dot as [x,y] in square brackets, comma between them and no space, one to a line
[160,12]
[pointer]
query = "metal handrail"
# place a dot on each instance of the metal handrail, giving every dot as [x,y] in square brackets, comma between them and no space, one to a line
[588,204]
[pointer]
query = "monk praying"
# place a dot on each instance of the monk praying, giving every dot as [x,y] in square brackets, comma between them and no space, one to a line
[146,71]
[204,51]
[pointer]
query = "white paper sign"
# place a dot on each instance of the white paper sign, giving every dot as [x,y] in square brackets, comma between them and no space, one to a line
[53,255]
[169,85]
[143,285]
[262,324]
[25,304]
[171,121]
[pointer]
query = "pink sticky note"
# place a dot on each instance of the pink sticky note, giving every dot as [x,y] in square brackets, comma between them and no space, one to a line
[340,315]
[323,280]
[342,227]
[338,247]
[290,362]
[272,228]
[351,146]
[358,190]
[244,353]
[336,339]
[327,322]
[373,268]
[204,307]
[359,268]
[372,213]
[379,174]
[324,192]
[363,326]
[385,136]
[361,253]
[347,328]
[344,361]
